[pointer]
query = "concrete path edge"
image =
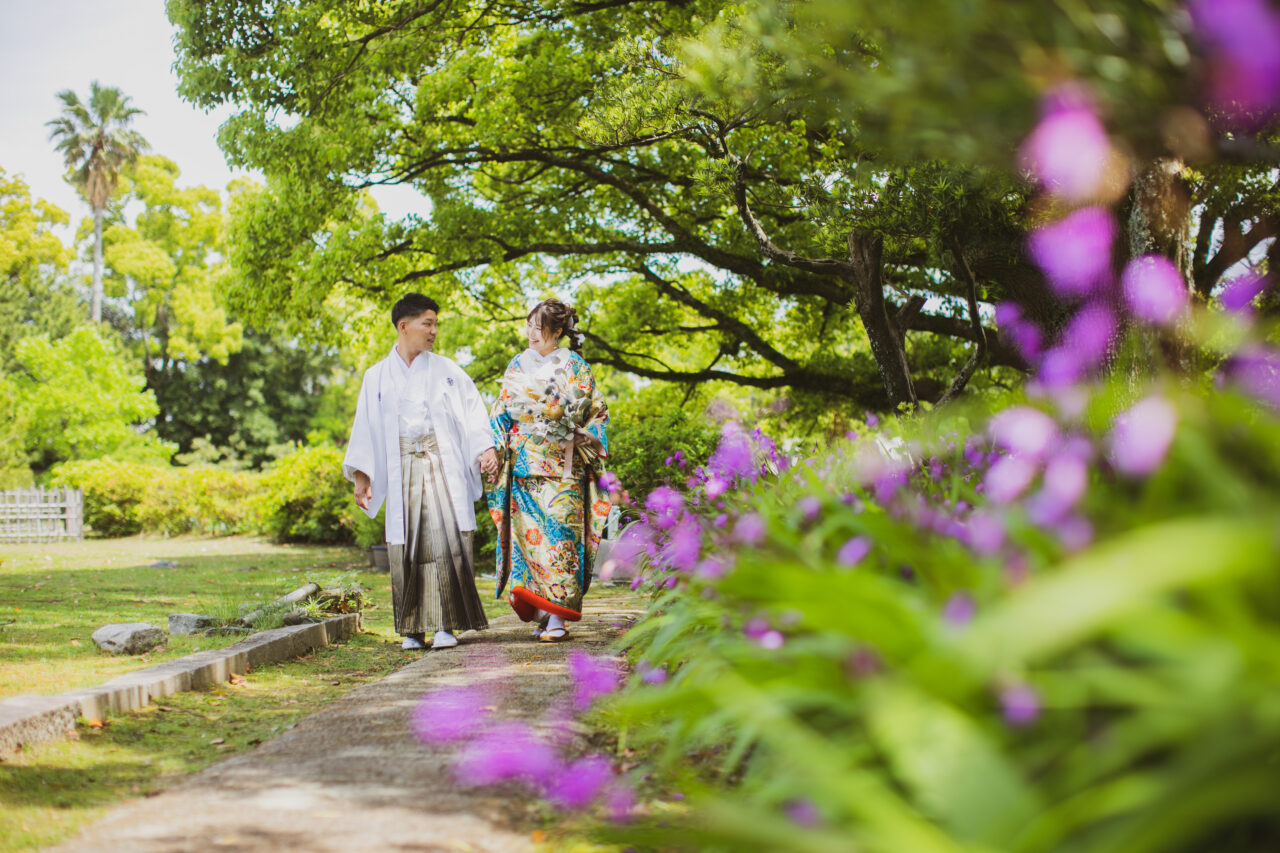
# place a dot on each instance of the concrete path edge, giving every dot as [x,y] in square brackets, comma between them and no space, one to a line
[28,720]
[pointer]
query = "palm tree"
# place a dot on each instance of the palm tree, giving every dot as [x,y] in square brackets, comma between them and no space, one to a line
[97,143]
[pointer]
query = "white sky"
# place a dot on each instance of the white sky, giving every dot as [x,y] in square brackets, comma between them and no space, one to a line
[50,45]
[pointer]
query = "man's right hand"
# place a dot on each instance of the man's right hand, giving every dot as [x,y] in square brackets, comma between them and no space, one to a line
[364,490]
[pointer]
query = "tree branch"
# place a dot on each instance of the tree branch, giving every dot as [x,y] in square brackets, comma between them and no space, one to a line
[980,335]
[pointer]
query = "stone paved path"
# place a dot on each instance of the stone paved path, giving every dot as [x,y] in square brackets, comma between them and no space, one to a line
[352,776]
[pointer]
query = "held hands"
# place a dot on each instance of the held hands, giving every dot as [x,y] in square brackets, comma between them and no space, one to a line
[363,490]
[489,464]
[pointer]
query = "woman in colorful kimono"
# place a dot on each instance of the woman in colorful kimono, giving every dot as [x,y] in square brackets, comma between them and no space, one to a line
[549,427]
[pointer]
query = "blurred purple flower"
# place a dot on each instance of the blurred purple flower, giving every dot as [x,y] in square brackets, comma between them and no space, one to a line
[864,662]
[1075,253]
[683,544]
[1090,332]
[506,752]
[1066,477]
[733,457]
[1256,370]
[984,533]
[1008,478]
[1025,431]
[634,541]
[670,583]
[750,529]
[756,628]
[713,567]
[591,677]
[803,812]
[1025,335]
[609,482]
[1075,533]
[1239,293]
[665,504]
[580,783]
[637,582]
[1243,37]
[771,640]
[1141,437]
[1067,152]
[853,552]
[451,713]
[871,420]
[959,609]
[651,674]
[1020,705]
[1154,290]
[810,508]
[716,486]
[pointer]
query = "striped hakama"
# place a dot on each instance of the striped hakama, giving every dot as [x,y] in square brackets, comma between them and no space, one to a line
[433,584]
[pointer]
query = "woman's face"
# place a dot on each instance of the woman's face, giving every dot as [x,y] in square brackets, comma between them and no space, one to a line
[542,341]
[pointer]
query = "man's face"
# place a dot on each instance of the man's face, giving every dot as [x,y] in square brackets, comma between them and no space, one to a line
[419,333]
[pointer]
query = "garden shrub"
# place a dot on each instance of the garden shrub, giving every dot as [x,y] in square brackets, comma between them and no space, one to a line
[303,497]
[647,430]
[113,493]
[202,500]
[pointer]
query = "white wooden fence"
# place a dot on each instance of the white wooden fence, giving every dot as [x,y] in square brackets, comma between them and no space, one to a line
[41,515]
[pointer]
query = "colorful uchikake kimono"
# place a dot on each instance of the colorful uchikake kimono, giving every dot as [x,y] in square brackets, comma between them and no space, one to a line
[547,504]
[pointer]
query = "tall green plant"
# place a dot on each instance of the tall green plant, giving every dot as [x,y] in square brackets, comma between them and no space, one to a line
[96,142]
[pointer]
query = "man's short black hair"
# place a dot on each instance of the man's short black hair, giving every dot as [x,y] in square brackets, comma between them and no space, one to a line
[412,305]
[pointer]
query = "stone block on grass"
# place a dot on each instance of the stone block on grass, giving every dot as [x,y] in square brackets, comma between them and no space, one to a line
[129,638]
[189,623]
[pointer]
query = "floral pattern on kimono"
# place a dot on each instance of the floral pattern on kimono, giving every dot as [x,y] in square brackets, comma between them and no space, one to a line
[549,524]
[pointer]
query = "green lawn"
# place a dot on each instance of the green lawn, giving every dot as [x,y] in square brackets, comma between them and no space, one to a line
[56,594]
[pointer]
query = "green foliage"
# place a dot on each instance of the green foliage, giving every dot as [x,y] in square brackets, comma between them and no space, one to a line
[77,398]
[645,429]
[1151,654]
[304,498]
[123,498]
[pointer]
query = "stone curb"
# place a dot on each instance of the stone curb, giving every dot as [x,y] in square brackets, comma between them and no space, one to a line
[27,720]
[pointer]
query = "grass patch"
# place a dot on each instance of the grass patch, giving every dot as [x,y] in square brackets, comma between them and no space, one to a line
[51,791]
[53,597]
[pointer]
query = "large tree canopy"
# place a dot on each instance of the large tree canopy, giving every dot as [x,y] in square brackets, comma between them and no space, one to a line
[772,240]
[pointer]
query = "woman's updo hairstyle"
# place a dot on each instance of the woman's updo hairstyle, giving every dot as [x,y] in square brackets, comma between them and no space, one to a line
[560,319]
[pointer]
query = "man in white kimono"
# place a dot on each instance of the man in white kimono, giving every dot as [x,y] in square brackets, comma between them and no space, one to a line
[420,441]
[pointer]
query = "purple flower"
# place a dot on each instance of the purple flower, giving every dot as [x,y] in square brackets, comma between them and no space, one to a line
[720,521]
[1075,253]
[959,609]
[652,674]
[683,545]
[750,529]
[1024,335]
[451,713]
[1090,333]
[1009,478]
[1239,293]
[733,457]
[1065,478]
[984,533]
[1141,436]
[864,662]
[591,677]
[665,504]
[756,628]
[1025,431]
[716,486]
[619,800]
[1256,370]
[609,482]
[1243,37]
[810,508]
[871,420]
[580,783]
[506,752]
[1019,704]
[1075,533]
[1154,290]
[633,542]
[803,812]
[1067,152]
[853,552]
[713,567]
[771,640]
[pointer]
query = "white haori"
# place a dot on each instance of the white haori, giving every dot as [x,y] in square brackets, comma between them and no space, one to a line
[453,410]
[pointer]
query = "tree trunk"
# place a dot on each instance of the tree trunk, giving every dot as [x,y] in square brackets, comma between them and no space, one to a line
[1160,224]
[1160,219]
[96,310]
[867,280]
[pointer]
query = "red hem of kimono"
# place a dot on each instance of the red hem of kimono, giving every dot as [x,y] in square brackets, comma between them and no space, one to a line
[527,603]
